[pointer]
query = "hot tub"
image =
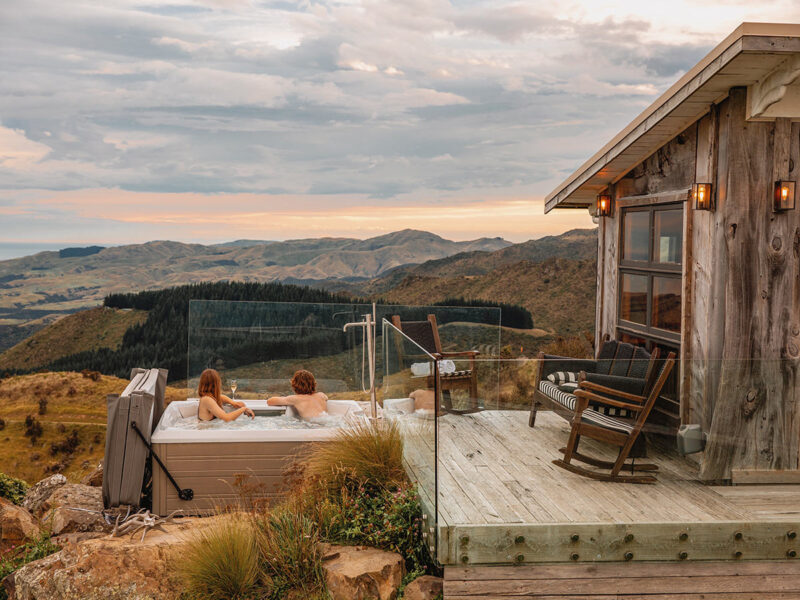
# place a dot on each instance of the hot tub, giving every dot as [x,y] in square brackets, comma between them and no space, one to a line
[206,457]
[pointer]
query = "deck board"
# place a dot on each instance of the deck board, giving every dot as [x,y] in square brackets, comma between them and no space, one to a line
[497,484]
[498,467]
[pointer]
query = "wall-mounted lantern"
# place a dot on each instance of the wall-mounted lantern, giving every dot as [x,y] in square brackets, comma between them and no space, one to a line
[784,196]
[604,206]
[703,197]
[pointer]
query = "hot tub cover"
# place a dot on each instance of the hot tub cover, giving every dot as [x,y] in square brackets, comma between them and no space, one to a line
[125,459]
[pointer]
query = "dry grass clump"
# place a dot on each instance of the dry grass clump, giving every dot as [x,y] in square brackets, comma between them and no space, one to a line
[290,548]
[368,453]
[576,346]
[222,562]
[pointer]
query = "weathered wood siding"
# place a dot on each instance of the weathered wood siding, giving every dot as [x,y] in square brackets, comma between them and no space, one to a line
[607,265]
[754,424]
[712,580]
[702,312]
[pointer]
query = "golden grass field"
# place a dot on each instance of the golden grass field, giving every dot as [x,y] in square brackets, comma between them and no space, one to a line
[73,402]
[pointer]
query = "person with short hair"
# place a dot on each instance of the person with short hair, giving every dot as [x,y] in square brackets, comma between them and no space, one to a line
[306,400]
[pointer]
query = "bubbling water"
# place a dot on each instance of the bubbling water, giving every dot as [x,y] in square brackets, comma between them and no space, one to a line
[259,423]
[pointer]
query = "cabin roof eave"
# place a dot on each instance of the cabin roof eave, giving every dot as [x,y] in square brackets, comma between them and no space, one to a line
[750,52]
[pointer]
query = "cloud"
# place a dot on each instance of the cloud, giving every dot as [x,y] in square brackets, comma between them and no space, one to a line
[371,99]
[17,151]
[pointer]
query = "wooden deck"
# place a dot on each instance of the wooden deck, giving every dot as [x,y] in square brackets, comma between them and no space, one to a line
[501,501]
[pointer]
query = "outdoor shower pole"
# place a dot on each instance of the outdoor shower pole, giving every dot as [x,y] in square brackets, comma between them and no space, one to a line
[373,400]
[370,325]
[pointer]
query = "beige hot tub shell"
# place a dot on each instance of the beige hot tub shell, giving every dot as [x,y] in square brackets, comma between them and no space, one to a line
[209,461]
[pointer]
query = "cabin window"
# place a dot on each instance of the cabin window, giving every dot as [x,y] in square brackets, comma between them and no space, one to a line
[650,271]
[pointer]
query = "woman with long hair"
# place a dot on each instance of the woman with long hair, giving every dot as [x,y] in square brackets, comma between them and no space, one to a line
[211,400]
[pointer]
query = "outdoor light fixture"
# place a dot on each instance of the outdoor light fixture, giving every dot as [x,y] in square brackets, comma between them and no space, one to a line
[603,205]
[784,196]
[703,198]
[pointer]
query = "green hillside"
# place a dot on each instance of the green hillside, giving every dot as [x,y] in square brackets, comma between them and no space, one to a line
[88,330]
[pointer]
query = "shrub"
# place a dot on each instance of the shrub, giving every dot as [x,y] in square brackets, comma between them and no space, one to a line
[366,454]
[2,424]
[289,544]
[578,346]
[42,406]
[93,375]
[12,489]
[221,561]
[66,446]
[33,429]
[14,558]
[391,520]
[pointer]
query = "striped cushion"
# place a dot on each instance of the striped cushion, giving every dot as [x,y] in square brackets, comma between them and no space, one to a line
[569,387]
[613,411]
[593,417]
[561,377]
[550,390]
[455,374]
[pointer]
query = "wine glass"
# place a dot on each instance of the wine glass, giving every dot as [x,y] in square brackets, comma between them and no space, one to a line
[234,385]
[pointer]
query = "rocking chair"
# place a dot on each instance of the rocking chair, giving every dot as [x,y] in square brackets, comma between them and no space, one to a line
[426,335]
[594,424]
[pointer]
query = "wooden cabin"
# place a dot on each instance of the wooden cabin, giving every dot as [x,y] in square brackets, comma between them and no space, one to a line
[713,276]
[699,248]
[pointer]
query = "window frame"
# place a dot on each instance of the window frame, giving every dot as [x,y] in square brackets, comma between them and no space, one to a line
[649,268]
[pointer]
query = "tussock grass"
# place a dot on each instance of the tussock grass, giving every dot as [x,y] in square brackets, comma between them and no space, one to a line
[290,547]
[222,562]
[369,454]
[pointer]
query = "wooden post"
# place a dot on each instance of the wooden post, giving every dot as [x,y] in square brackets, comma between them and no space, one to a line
[754,422]
[697,288]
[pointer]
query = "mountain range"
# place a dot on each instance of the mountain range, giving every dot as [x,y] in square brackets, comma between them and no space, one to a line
[552,276]
[36,289]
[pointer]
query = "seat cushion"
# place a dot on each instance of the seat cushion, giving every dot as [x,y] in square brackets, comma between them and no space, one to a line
[561,377]
[550,389]
[606,356]
[622,361]
[593,417]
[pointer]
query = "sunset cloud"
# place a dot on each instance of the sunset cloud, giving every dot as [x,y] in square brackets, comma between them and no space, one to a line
[193,119]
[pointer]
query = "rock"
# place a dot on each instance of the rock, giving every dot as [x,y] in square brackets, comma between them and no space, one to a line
[426,587]
[361,573]
[106,568]
[16,525]
[95,477]
[73,508]
[39,493]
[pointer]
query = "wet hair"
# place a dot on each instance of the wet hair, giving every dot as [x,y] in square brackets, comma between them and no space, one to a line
[303,383]
[210,385]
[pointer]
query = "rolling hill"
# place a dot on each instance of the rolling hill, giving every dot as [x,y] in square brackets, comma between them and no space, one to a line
[73,402]
[558,292]
[49,284]
[99,327]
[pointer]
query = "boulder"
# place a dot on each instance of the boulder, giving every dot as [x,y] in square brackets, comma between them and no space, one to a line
[74,507]
[106,568]
[95,477]
[16,525]
[362,573]
[426,587]
[39,493]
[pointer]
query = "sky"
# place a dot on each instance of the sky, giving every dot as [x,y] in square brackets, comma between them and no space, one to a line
[123,121]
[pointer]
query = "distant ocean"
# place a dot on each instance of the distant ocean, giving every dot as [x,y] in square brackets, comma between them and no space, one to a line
[17,249]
